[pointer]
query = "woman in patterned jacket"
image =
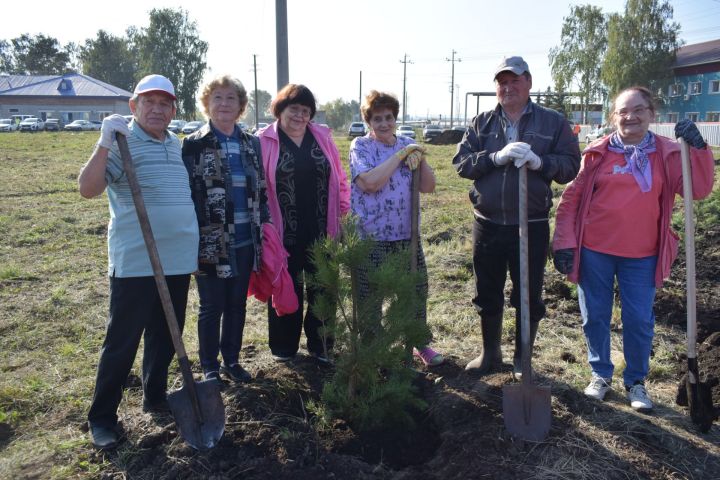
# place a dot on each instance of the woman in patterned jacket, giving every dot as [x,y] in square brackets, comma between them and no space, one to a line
[228,189]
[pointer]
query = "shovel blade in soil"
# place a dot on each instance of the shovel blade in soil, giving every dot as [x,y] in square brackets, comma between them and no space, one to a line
[200,433]
[699,396]
[527,411]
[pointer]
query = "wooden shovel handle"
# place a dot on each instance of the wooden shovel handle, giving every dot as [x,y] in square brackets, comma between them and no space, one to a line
[689,249]
[414,218]
[524,274]
[162,287]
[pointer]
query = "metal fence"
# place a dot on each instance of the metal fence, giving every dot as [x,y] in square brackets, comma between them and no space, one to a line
[710,131]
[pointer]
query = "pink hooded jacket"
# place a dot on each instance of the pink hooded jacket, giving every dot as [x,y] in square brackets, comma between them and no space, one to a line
[338,189]
[576,199]
[272,279]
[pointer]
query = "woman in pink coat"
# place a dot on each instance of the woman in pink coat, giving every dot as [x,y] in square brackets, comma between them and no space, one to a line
[307,193]
[613,224]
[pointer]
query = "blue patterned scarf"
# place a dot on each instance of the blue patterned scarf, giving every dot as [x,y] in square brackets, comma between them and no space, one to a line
[637,158]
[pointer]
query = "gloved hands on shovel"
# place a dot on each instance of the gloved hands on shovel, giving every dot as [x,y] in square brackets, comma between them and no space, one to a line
[509,153]
[564,259]
[111,125]
[412,155]
[690,133]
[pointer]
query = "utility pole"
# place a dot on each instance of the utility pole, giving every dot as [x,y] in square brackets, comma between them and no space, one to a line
[281,40]
[452,84]
[360,99]
[256,94]
[404,61]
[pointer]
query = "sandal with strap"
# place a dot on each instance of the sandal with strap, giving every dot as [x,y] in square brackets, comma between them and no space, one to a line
[429,357]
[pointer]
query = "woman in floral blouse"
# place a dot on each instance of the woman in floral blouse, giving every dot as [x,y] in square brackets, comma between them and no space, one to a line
[380,167]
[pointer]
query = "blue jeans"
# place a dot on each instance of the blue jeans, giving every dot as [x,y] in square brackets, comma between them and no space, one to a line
[636,282]
[223,298]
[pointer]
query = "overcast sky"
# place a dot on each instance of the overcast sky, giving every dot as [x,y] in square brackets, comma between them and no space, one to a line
[332,41]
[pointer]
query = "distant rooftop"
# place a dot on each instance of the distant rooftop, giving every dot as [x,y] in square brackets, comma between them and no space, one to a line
[68,85]
[698,54]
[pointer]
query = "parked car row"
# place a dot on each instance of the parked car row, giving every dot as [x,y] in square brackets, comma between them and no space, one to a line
[34,124]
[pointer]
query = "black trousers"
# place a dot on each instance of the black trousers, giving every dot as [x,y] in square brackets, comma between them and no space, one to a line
[496,249]
[284,332]
[135,309]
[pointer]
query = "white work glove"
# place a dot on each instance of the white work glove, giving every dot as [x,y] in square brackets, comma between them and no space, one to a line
[532,160]
[111,125]
[510,152]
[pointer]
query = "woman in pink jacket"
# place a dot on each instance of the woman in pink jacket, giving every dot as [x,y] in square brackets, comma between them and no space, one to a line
[613,223]
[307,193]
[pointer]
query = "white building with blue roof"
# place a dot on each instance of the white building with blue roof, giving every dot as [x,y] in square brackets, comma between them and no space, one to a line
[68,97]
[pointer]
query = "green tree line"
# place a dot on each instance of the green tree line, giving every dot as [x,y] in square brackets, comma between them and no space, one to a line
[170,46]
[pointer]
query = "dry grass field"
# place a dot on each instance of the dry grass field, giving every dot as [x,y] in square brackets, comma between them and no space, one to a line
[53,308]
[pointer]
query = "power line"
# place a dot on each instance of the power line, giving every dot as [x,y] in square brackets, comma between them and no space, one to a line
[452,84]
[404,61]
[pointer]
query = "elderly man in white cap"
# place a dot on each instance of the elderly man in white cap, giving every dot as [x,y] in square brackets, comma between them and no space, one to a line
[499,141]
[135,307]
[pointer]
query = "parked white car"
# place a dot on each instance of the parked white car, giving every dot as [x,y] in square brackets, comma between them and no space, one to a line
[406,130]
[32,124]
[7,125]
[594,135]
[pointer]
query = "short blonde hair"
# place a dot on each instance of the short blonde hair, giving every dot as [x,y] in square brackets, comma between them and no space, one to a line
[224,81]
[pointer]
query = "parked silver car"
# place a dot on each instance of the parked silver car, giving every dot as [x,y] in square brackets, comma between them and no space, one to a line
[406,130]
[191,127]
[431,131]
[176,125]
[80,126]
[356,129]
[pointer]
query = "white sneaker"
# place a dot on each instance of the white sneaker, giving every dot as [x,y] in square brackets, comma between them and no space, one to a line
[598,387]
[639,399]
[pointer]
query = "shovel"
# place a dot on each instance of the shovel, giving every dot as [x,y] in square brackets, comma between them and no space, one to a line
[414,234]
[197,407]
[526,407]
[699,394]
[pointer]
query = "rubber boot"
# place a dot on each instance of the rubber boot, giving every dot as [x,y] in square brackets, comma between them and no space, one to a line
[517,356]
[491,357]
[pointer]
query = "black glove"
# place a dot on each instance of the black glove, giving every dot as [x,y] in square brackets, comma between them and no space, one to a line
[690,133]
[564,259]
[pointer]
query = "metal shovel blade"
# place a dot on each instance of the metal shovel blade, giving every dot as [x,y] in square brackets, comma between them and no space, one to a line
[527,411]
[699,395]
[200,433]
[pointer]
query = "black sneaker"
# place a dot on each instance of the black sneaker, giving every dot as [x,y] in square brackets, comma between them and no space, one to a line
[236,373]
[104,438]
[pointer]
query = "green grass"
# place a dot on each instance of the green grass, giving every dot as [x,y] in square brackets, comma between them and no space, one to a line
[54,289]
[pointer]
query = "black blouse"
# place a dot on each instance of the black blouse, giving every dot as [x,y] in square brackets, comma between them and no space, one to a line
[302,177]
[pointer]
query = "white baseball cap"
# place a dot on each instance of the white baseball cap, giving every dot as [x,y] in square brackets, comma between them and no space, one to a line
[155,83]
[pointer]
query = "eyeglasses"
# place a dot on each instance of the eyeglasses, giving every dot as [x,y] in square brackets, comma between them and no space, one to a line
[637,111]
[299,111]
